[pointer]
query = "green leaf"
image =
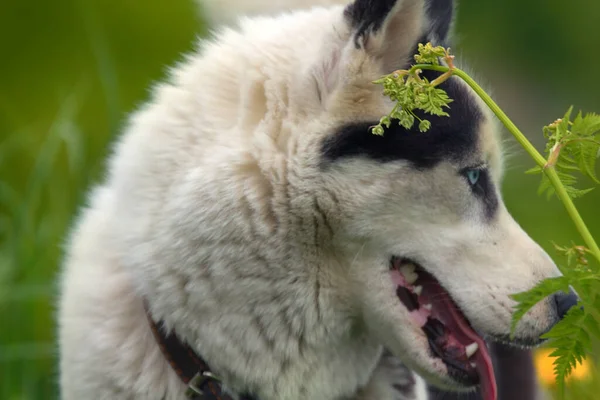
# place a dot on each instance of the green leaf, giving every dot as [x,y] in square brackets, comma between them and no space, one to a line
[535,170]
[526,300]
[412,92]
[577,193]
[424,125]
[433,100]
[546,187]
[571,342]
[587,162]
[591,325]
[385,121]
[407,120]
[586,126]
[572,146]
[427,54]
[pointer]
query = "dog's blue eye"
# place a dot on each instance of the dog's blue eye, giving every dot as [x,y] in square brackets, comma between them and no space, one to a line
[473,176]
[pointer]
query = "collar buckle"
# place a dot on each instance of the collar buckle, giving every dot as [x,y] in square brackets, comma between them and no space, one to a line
[194,386]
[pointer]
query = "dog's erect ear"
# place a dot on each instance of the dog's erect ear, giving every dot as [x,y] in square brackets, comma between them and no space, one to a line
[386,32]
[387,29]
[440,14]
[390,29]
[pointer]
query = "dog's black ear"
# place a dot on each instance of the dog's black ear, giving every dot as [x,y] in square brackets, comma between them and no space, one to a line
[387,29]
[390,29]
[384,32]
[440,14]
[368,16]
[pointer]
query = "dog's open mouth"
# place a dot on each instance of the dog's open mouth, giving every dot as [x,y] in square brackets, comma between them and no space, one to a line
[450,335]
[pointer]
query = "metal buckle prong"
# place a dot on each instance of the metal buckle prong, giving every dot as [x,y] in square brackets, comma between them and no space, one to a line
[198,380]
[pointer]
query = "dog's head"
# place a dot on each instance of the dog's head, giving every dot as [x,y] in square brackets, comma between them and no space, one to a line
[416,218]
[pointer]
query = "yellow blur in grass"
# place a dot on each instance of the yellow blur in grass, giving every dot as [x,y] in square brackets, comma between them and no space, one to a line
[545,368]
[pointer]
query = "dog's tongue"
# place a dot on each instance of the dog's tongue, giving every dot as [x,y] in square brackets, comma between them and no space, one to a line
[458,333]
[456,322]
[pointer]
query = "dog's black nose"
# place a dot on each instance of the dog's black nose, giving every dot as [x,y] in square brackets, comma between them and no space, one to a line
[564,302]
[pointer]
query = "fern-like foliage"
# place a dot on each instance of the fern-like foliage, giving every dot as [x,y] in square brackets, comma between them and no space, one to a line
[571,338]
[571,341]
[573,147]
[526,300]
[412,92]
[428,54]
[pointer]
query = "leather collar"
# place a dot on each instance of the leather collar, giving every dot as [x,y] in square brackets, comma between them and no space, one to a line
[190,367]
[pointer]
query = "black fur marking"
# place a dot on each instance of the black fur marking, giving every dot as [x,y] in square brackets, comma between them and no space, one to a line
[450,138]
[485,191]
[367,16]
[440,12]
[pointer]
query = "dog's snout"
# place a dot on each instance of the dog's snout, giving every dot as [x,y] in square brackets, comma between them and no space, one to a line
[564,302]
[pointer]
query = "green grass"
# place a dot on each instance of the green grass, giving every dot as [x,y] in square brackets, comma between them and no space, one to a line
[38,208]
[56,123]
[71,71]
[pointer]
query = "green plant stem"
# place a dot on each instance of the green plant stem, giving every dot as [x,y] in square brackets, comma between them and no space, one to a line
[532,151]
[573,213]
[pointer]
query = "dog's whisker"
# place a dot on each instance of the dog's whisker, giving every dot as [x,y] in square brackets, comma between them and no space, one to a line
[358,252]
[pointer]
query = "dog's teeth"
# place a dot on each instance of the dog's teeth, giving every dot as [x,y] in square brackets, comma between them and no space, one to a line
[418,290]
[407,267]
[428,307]
[408,271]
[473,365]
[471,349]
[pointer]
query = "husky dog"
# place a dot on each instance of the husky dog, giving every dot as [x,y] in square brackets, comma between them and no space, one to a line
[251,211]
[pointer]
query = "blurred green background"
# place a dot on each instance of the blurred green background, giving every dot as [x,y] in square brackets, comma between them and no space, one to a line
[71,71]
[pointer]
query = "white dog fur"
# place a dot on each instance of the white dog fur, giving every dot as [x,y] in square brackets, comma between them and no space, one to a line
[218,211]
